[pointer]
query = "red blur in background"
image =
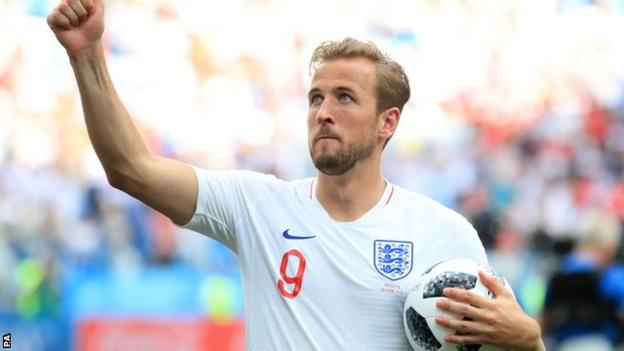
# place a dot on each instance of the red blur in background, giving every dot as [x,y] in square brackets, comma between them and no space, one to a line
[114,334]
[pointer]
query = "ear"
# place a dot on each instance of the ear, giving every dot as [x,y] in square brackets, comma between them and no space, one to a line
[388,122]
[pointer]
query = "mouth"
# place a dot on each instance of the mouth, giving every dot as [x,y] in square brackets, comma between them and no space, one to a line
[326,137]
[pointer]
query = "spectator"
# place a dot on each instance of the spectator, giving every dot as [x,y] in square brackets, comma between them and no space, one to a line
[584,307]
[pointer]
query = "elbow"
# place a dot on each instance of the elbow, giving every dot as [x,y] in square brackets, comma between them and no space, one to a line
[124,179]
[117,181]
[127,175]
[133,178]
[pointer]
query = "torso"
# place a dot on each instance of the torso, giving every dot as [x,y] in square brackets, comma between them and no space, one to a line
[312,283]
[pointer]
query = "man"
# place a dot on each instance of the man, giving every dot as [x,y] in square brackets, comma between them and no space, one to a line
[326,262]
[584,305]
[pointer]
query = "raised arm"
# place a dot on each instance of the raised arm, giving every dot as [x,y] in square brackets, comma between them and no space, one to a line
[166,185]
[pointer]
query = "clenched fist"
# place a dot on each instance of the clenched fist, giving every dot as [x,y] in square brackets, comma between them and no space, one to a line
[77,24]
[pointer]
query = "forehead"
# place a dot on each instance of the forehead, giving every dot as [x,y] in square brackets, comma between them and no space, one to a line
[355,73]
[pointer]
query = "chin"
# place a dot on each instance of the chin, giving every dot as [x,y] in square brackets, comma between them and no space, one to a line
[325,155]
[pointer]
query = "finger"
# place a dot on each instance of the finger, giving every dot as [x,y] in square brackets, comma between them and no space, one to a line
[58,20]
[461,309]
[88,5]
[466,339]
[464,326]
[468,297]
[79,9]
[65,9]
[495,284]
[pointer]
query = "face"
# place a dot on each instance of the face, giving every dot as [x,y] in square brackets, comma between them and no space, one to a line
[342,116]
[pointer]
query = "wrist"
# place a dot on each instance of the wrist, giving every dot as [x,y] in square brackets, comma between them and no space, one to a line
[93,50]
[534,339]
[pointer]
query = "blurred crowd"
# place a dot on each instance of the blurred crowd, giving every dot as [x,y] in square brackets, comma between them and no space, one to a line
[516,120]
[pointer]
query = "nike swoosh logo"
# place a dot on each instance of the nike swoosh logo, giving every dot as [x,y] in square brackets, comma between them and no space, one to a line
[292,237]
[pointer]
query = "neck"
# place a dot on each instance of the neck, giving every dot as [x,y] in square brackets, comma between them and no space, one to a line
[349,196]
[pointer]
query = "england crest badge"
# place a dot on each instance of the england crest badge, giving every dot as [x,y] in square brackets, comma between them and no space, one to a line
[393,259]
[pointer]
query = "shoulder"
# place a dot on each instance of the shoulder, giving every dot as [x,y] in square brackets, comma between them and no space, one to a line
[236,177]
[613,280]
[250,184]
[455,233]
[422,206]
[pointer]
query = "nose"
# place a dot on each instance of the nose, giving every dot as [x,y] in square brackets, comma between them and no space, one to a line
[325,114]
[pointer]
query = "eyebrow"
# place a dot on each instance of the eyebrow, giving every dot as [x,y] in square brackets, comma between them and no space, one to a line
[347,89]
[313,91]
[336,89]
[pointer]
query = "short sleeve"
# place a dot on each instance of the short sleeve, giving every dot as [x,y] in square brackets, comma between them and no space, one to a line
[223,197]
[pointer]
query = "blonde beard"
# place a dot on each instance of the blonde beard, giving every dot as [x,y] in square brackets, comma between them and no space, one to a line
[344,159]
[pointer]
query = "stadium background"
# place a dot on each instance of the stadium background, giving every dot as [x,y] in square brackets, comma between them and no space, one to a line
[516,120]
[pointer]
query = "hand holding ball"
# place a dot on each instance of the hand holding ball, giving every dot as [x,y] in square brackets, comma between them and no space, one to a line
[420,309]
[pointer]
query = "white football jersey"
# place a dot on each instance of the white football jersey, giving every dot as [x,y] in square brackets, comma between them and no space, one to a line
[313,283]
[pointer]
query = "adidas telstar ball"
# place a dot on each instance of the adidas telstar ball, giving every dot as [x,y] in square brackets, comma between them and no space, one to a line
[420,310]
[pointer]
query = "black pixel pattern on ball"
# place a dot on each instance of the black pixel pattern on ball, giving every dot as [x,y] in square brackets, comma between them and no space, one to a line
[420,332]
[448,280]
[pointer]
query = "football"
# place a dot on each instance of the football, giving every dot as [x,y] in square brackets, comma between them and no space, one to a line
[420,310]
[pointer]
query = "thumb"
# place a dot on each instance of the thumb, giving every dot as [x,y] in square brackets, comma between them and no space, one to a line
[494,283]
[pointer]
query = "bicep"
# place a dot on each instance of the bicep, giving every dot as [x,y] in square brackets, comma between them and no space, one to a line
[168,186]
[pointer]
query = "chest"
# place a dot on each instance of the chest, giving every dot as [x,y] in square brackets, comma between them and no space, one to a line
[302,257]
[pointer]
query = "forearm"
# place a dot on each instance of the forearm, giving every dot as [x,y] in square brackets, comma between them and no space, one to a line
[115,138]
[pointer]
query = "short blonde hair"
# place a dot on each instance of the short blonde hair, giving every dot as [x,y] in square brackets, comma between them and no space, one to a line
[392,88]
[599,227]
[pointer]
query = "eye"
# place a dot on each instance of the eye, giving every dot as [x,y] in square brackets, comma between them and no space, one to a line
[345,98]
[315,99]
